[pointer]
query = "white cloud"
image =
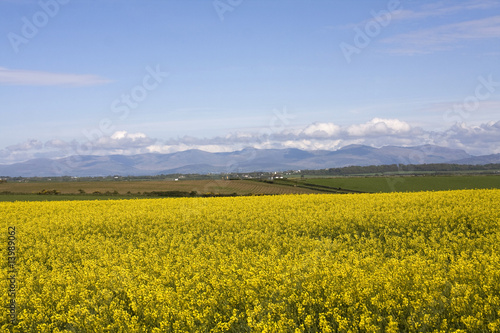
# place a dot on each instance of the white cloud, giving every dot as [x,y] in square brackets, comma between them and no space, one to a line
[477,139]
[15,77]
[322,130]
[119,135]
[444,37]
[167,149]
[378,126]
[57,144]
[426,11]
[441,8]
[31,144]
[122,140]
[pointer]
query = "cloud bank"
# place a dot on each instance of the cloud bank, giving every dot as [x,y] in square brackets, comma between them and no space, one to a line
[476,140]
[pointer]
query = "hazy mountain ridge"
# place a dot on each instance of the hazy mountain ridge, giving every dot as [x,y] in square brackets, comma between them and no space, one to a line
[485,159]
[246,160]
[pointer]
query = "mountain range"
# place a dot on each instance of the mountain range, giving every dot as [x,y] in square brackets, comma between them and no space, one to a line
[246,160]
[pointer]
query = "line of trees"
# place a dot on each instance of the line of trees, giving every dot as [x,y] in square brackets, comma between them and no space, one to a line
[401,168]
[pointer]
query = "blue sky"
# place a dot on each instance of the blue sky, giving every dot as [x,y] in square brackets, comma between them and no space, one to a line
[106,77]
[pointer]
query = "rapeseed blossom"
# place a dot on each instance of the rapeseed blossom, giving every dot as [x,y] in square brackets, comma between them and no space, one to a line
[398,262]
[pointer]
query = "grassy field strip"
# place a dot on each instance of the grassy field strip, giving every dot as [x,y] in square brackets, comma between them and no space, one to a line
[122,187]
[89,190]
[408,183]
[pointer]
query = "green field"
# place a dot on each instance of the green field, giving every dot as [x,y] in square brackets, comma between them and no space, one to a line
[407,183]
[104,190]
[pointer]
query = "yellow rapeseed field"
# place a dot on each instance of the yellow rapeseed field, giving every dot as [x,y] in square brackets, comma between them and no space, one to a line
[400,262]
